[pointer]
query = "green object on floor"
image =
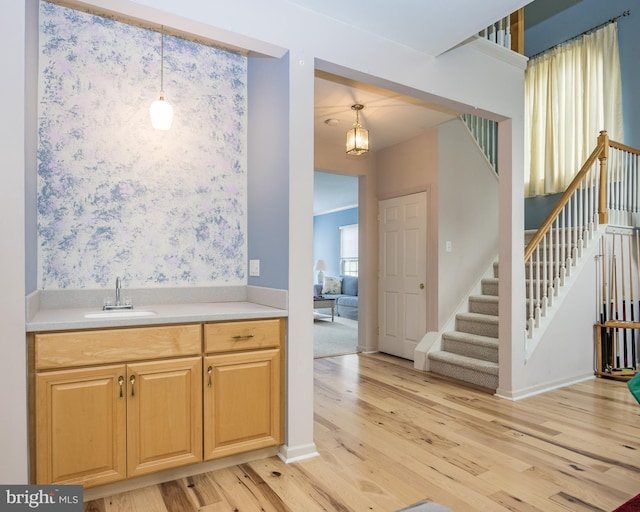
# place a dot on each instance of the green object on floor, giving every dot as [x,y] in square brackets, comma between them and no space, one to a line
[634,386]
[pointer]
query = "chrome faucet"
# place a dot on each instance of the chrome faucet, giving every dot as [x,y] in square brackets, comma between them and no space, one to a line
[118,286]
[118,304]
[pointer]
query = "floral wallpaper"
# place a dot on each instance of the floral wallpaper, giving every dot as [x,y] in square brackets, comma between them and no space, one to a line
[115,196]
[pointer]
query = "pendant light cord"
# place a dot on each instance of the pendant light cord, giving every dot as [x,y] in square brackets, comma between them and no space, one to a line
[162,60]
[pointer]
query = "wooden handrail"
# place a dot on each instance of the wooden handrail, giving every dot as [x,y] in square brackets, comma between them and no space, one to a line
[564,199]
[624,147]
[586,204]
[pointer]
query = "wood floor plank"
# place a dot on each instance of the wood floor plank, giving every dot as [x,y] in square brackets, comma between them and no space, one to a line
[202,491]
[389,435]
[290,484]
[148,499]
[175,498]
[94,506]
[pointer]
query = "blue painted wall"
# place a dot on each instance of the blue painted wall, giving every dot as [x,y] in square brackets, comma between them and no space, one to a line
[268,170]
[326,238]
[571,22]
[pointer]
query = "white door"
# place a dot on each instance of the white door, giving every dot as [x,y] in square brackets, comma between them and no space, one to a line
[402,299]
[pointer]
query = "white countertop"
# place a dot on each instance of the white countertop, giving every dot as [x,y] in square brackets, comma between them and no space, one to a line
[236,304]
[71,318]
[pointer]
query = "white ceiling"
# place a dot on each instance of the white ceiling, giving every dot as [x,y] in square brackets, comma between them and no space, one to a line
[429,26]
[391,118]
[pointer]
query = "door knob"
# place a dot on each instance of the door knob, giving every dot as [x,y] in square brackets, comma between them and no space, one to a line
[422,286]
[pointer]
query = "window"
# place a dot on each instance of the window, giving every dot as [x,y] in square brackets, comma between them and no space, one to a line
[571,93]
[349,250]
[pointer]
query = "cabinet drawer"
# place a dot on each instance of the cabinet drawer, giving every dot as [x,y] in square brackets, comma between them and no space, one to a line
[81,348]
[245,335]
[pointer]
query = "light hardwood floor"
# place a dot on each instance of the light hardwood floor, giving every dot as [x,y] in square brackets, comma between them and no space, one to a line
[389,436]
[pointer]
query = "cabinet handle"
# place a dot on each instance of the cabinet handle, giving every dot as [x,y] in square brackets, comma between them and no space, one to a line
[132,379]
[242,337]
[209,370]
[120,382]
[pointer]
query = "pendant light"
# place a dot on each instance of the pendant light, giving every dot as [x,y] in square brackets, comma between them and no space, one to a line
[357,137]
[161,111]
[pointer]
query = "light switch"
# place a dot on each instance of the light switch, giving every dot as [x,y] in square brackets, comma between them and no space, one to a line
[254,268]
[447,246]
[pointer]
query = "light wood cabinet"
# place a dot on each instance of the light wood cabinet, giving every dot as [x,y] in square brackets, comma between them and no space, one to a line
[164,415]
[100,424]
[243,391]
[81,426]
[111,404]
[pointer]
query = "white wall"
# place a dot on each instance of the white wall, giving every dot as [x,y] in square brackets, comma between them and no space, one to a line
[468,216]
[564,350]
[13,375]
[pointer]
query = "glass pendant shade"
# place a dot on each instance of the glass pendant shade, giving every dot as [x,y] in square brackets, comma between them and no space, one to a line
[161,114]
[357,137]
[161,111]
[357,140]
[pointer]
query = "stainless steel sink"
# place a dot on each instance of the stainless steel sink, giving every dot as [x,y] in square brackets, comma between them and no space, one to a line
[129,313]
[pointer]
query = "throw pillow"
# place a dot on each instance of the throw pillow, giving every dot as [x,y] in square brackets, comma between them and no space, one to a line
[332,285]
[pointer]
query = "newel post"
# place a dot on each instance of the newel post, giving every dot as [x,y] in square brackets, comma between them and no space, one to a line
[603,144]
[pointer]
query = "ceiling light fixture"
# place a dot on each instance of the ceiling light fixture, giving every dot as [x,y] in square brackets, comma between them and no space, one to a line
[161,111]
[357,137]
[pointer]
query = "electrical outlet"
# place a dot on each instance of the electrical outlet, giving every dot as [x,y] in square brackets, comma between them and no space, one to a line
[254,268]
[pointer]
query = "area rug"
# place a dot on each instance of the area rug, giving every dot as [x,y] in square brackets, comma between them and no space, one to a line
[633,505]
[334,338]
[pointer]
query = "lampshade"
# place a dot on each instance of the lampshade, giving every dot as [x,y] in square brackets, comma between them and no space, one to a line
[357,137]
[161,111]
[321,265]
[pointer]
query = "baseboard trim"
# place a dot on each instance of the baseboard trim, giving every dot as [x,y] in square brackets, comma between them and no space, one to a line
[290,454]
[542,388]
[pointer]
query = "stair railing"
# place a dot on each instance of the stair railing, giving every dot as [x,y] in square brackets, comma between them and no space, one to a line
[507,32]
[605,190]
[485,133]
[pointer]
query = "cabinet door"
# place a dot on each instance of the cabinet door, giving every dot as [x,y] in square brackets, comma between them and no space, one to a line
[241,402]
[164,416]
[80,426]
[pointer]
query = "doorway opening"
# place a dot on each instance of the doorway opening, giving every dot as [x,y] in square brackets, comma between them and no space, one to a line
[335,256]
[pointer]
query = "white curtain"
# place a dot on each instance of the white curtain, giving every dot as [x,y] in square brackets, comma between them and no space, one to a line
[572,92]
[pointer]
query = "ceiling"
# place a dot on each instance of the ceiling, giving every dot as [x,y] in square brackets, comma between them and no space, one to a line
[430,26]
[392,118]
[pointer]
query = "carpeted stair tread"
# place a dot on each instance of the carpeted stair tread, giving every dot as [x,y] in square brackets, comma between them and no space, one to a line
[489,286]
[467,369]
[479,317]
[465,362]
[477,323]
[471,345]
[484,304]
[470,353]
